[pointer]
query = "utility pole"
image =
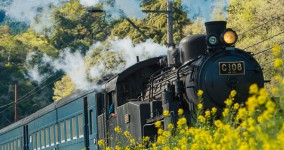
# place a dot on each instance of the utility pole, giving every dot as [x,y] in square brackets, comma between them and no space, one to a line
[16,101]
[170,23]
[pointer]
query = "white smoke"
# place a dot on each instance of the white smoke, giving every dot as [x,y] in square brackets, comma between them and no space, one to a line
[74,65]
[33,71]
[35,74]
[28,10]
[129,52]
[144,50]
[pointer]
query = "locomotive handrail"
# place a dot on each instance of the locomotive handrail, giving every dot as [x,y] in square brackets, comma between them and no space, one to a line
[152,80]
[186,64]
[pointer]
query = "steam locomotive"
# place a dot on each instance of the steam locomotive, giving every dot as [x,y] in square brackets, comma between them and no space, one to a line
[140,94]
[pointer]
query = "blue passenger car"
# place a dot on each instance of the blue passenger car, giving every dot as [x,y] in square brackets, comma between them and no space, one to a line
[68,124]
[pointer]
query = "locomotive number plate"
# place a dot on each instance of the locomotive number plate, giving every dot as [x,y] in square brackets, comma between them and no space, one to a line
[232,68]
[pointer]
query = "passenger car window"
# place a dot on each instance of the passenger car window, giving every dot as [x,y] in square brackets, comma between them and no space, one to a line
[74,127]
[62,131]
[80,125]
[51,129]
[68,128]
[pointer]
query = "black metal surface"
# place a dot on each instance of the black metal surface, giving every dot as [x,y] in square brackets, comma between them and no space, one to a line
[26,137]
[192,46]
[216,87]
[215,28]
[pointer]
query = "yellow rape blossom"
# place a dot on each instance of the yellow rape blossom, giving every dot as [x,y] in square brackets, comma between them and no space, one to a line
[166,148]
[117,129]
[181,122]
[166,113]
[214,110]
[132,141]
[180,111]
[127,148]
[201,119]
[158,124]
[233,93]
[253,89]
[228,102]
[277,77]
[199,93]
[278,62]
[167,134]
[127,134]
[170,126]
[160,131]
[226,112]
[218,123]
[276,50]
[101,143]
[200,106]
[261,99]
[108,148]
[207,114]
[252,103]
[117,147]
[146,139]
[236,106]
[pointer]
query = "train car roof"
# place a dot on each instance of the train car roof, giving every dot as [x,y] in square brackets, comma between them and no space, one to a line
[110,85]
[47,109]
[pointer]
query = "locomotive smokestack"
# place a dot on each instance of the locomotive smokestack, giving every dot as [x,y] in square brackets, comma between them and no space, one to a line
[214,29]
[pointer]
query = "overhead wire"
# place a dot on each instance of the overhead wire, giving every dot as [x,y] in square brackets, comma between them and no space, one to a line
[264,40]
[260,25]
[21,100]
[30,93]
[267,49]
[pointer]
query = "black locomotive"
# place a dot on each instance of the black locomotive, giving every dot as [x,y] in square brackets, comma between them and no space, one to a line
[140,94]
[209,63]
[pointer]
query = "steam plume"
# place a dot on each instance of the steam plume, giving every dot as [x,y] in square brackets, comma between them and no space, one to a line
[74,65]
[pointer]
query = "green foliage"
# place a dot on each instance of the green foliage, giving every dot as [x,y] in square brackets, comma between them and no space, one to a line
[218,12]
[63,88]
[13,52]
[155,25]
[196,27]
[76,28]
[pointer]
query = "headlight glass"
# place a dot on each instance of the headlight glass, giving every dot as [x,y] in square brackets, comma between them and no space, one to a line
[212,40]
[230,37]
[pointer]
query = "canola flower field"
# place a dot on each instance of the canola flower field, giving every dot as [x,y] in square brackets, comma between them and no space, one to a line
[257,124]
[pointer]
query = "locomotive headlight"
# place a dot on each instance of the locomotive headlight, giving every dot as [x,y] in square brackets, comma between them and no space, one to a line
[229,37]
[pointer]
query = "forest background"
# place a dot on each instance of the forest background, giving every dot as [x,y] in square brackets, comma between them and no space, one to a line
[31,53]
